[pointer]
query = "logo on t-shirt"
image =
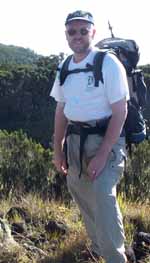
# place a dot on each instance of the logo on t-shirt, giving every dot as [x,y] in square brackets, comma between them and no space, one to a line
[90,83]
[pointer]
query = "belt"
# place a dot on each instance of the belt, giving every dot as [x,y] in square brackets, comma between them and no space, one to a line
[83,129]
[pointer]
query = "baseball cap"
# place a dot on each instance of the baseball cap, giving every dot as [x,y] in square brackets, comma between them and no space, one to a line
[80,15]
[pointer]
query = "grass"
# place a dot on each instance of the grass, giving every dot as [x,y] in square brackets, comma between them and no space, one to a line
[38,246]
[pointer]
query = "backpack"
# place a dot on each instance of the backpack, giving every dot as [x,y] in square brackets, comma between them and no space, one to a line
[127,52]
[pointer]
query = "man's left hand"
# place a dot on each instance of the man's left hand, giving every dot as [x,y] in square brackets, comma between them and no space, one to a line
[96,165]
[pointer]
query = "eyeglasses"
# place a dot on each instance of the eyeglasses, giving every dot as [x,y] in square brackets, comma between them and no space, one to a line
[73,32]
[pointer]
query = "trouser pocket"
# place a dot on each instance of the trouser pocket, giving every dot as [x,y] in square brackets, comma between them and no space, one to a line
[116,161]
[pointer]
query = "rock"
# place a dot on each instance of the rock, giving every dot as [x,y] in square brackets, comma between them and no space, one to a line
[34,249]
[130,255]
[6,239]
[142,237]
[53,226]
[38,239]
[18,211]
[1,214]
[141,245]
[18,228]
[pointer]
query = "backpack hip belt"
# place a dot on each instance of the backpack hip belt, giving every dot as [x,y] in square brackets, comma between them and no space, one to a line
[83,129]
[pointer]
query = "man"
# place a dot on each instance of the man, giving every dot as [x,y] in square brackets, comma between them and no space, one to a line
[93,171]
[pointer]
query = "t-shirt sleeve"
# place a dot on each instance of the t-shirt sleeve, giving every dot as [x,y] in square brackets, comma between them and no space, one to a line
[57,90]
[115,79]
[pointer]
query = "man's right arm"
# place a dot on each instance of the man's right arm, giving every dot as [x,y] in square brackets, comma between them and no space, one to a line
[59,134]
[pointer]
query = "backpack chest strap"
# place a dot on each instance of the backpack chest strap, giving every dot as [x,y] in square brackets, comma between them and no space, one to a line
[96,68]
[66,73]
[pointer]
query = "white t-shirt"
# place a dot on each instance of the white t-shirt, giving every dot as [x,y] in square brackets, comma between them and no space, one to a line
[83,101]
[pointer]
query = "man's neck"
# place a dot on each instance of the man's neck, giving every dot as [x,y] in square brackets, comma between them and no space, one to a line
[78,57]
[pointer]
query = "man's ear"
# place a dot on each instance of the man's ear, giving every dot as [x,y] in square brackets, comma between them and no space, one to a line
[94,32]
[66,34]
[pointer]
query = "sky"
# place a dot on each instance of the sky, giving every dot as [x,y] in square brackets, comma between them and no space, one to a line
[39,24]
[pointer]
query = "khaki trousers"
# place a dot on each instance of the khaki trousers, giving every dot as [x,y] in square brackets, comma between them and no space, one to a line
[97,200]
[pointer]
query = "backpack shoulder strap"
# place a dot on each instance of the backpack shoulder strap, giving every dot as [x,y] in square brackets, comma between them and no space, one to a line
[64,70]
[97,64]
[96,67]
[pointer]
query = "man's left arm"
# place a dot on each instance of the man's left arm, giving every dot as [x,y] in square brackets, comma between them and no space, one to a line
[119,113]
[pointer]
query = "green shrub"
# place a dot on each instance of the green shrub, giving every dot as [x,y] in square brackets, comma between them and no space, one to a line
[24,164]
[136,181]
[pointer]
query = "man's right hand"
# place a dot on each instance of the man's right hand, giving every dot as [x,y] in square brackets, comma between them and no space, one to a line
[59,161]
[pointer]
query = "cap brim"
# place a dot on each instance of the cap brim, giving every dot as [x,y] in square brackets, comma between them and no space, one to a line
[79,18]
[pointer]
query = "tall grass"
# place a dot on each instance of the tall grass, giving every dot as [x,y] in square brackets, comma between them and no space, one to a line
[69,247]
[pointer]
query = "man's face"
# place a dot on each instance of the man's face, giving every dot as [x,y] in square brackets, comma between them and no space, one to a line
[79,35]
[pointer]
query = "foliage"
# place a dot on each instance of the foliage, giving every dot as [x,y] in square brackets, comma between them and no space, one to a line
[27,166]
[10,54]
[136,181]
[24,98]
[24,164]
[25,83]
[145,68]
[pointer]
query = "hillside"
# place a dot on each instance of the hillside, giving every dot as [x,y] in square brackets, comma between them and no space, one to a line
[10,54]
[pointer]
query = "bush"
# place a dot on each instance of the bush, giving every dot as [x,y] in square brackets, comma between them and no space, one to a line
[136,181]
[24,164]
